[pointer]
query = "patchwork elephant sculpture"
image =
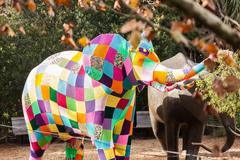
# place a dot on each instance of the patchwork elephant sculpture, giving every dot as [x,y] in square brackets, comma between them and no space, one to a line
[173,110]
[92,93]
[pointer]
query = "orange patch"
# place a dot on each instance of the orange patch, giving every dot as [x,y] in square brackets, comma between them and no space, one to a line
[153,57]
[129,113]
[160,77]
[190,74]
[45,130]
[45,92]
[57,119]
[101,51]
[139,59]
[117,86]
[81,117]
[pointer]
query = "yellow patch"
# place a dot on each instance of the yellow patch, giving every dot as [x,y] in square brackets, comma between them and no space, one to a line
[38,79]
[77,57]
[112,101]
[80,107]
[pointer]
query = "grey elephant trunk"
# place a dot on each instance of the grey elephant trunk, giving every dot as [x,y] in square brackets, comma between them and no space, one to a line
[229,125]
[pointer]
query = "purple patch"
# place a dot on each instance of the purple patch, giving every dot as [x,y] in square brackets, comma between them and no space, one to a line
[70,65]
[96,40]
[126,127]
[98,118]
[90,106]
[39,120]
[107,123]
[79,81]
[41,106]
[146,52]
[70,91]
[106,80]
[132,78]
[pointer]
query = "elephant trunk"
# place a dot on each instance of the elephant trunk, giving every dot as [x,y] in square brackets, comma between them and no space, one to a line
[229,125]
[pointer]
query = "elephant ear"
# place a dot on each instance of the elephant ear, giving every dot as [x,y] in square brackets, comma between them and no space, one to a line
[106,59]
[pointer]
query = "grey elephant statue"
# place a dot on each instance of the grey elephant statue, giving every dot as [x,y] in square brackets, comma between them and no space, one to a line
[171,110]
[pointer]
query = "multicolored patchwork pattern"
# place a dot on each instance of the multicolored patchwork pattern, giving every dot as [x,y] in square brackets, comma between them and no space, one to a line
[92,94]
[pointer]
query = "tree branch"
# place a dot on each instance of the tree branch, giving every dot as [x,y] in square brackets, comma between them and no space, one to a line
[211,21]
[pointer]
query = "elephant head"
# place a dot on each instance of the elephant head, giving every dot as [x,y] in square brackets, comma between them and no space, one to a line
[111,60]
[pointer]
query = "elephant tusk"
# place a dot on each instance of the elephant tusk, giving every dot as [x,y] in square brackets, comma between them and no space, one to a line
[238,130]
[234,132]
[203,146]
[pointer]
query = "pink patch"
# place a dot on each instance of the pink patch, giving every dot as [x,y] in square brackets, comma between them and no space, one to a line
[122,139]
[128,65]
[30,113]
[61,99]
[95,83]
[79,94]
[35,146]
[106,39]
[81,71]
[117,74]
[44,117]
[90,117]
[111,54]
[86,60]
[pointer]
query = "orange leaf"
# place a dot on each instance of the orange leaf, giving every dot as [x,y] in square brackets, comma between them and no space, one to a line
[2,2]
[102,6]
[210,64]
[211,49]
[179,37]
[228,59]
[69,41]
[22,30]
[131,25]
[134,4]
[232,84]
[7,30]
[135,38]
[17,6]
[63,3]
[149,33]
[51,11]
[219,88]
[83,41]
[67,27]
[147,13]
[182,26]
[31,5]
[117,5]
[209,4]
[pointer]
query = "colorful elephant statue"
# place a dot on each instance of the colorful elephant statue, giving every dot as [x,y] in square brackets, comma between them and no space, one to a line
[92,93]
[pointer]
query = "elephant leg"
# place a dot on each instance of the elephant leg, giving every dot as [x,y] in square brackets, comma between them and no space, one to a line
[75,149]
[172,129]
[159,132]
[194,135]
[106,154]
[184,133]
[38,144]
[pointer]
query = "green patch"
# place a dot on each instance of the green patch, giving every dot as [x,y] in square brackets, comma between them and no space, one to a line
[88,94]
[35,108]
[106,135]
[53,95]
[74,124]
[71,104]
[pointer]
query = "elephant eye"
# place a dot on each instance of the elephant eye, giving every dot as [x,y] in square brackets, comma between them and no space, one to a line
[143,51]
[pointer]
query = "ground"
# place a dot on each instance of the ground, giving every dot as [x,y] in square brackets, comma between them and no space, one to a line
[142,149]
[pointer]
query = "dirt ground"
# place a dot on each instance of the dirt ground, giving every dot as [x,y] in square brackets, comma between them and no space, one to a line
[142,149]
